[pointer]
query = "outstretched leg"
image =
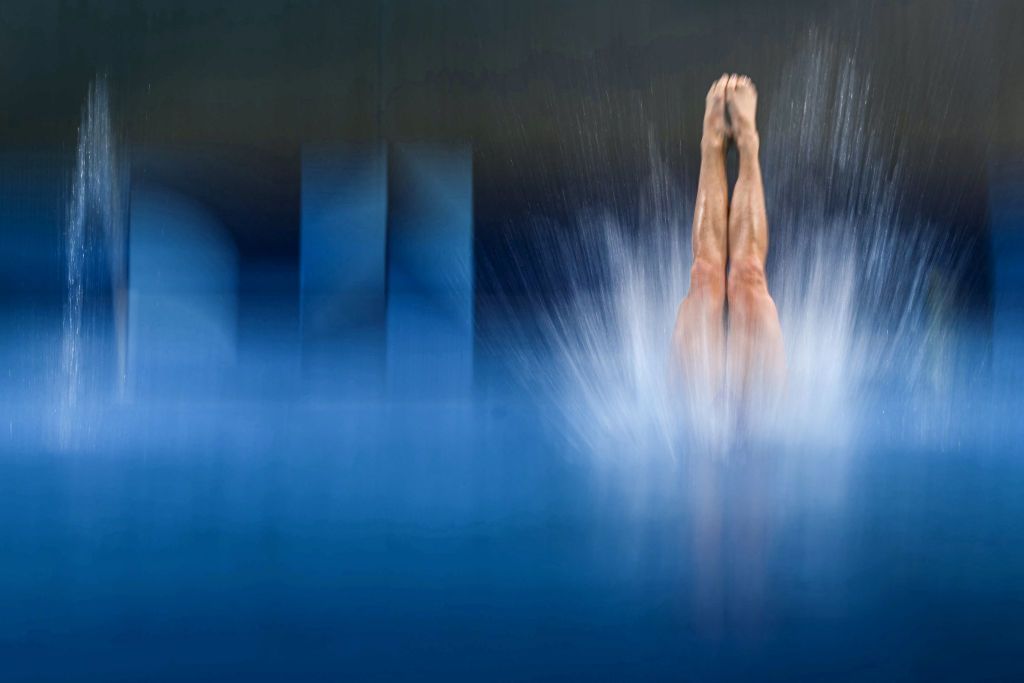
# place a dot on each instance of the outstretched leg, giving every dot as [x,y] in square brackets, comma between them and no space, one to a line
[699,338]
[754,353]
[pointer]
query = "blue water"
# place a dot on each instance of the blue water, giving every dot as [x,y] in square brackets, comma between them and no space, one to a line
[295,538]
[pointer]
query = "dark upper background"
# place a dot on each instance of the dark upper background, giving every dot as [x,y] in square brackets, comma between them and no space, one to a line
[270,74]
[559,99]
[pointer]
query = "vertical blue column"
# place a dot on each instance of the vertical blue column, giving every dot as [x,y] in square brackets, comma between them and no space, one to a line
[1006,211]
[344,224]
[32,268]
[430,270]
[182,294]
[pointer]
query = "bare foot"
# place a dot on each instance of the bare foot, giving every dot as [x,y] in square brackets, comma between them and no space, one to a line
[716,130]
[741,98]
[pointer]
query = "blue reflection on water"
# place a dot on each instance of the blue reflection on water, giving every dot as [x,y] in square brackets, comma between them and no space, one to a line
[412,539]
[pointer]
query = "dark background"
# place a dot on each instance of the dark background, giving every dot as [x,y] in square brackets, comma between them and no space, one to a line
[562,101]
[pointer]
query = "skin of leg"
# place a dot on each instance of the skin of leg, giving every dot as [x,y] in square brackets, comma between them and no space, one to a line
[755,355]
[699,337]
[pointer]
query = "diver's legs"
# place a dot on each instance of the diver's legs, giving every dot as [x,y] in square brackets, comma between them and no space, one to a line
[754,350]
[699,337]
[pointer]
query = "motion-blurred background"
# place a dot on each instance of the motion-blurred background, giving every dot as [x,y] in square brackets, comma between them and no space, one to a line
[277,122]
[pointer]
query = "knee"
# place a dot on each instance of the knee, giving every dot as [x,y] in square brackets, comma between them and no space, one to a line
[707,282]
[747,284]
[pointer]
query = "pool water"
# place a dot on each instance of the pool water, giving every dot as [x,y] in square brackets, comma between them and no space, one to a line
[465,539]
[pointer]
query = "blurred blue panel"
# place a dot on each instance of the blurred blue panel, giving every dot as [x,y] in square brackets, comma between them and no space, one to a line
[344,222]
[430,270]
[33,209]
[33,197]
[183,295]
[1006,212]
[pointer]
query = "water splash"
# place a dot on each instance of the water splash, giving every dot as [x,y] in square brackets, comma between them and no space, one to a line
[852,264]
[95,312]
[849,270]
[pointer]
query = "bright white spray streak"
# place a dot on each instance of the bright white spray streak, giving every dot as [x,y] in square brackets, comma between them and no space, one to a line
[95,240]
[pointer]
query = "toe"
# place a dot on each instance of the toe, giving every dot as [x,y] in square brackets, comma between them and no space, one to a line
[715,88]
